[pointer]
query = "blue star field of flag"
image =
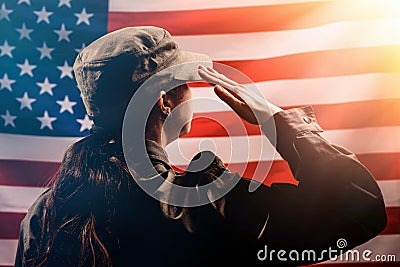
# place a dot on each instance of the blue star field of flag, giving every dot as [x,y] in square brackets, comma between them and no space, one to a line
[39,41]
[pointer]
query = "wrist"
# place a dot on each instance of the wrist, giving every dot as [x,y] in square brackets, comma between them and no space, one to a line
[274,109]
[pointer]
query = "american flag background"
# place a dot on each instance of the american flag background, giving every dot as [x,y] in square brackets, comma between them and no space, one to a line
[342,57]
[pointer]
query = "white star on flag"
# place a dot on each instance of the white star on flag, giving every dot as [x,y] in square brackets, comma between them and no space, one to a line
[83,17]
[25,101]
[46,120]
[43,15]
[4,12]
[26,68]
[63,33]
[66,70]
[8,119]
[86,123]
[6,49]
[6,83]
[24,1]
[46,87]
[66,105]
[45,51]
[24,32]
[65,2]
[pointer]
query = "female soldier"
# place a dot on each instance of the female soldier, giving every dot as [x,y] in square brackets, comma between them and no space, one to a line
[95,214]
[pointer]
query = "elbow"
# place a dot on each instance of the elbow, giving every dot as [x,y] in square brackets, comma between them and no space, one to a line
[376,219]
[365,205]
[368,212]
[367,202]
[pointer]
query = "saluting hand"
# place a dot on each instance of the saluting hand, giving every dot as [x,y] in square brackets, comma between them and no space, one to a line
[247,103]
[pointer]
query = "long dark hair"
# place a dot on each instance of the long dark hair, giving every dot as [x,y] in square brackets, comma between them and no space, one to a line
[86,202]
[90,194]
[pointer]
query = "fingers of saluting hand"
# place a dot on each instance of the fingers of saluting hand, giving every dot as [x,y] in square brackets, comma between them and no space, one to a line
[212,76]
[228,97]
[236,103]
[246,101]
[227,85]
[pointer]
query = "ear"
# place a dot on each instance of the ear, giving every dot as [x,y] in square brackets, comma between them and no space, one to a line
[164,103]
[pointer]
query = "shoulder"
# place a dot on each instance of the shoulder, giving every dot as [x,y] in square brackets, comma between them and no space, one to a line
[31,227]
[37,208]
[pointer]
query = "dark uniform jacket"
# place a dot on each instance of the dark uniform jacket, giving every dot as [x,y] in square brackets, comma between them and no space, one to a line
[336,198]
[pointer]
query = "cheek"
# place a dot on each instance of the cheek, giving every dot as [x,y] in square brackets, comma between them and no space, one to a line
[185,113]
[189,112]
[186,118]
[187,121]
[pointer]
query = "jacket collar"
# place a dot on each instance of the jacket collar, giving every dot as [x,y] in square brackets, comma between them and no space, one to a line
[156,152]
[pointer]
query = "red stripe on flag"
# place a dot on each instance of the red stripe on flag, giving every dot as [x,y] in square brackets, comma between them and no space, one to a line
[26,173]
[243,19]
[384,166]
[393,226]
[208,21]
[10,223]
[319,64]
[279,172]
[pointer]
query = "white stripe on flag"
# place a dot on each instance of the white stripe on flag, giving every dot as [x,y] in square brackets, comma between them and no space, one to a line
[257,148]
[35,148]
[18,198]
[359,141]
[332,90]
[390,190]
[261,45]
[8,249]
